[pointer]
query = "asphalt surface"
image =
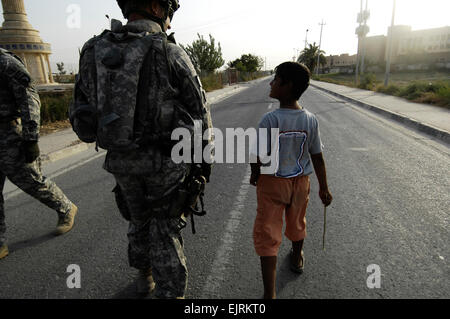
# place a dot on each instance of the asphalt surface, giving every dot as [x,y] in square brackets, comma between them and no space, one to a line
[391,191]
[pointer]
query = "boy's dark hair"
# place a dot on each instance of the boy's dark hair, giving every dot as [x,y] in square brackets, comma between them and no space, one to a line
[296,73]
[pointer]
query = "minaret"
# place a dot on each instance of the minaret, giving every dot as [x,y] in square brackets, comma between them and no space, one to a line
[18,36]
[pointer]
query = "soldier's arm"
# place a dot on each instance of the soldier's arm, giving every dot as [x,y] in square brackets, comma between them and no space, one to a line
[27,98]
[192,94]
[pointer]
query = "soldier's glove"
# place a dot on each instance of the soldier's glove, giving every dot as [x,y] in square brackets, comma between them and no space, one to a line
[31,151]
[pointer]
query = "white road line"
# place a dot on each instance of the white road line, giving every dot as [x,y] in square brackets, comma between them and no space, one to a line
[218,269]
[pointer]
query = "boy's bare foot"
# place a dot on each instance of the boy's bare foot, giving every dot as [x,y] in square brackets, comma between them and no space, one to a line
[297,262]
[297,257]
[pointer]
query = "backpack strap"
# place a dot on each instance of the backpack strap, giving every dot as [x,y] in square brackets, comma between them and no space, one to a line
[143,98]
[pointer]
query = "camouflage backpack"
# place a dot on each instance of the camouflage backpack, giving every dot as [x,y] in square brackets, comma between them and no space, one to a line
[125,76]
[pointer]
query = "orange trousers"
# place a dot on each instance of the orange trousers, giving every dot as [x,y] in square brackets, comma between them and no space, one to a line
[275,196]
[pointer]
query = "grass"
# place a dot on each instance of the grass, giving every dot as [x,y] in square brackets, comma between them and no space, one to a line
[55,106]
[216,80]
[212,81]
[421,87]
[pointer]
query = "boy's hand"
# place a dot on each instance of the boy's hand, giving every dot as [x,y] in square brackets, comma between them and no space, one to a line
[254,178]
[326,197]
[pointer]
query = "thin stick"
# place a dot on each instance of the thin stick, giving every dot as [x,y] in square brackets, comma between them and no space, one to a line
[324,226]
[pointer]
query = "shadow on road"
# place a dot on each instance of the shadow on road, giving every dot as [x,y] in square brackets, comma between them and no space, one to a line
[285,275]
[129,292]
[31,242]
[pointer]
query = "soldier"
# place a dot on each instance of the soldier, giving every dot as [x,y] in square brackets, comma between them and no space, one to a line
[135,86]
[19,150]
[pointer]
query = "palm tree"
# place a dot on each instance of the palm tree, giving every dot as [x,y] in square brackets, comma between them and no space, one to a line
[309,57]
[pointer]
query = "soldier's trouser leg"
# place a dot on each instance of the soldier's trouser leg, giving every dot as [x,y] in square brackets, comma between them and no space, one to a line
[2,212]
[154,242]
[29,178]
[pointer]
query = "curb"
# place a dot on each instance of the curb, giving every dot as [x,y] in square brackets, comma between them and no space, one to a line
[440,134]
[63,153]
[234,89]
[224,96]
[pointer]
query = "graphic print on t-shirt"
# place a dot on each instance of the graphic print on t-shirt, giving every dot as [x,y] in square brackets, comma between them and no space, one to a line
[291,146]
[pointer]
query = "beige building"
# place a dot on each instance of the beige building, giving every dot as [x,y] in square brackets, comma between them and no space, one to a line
[18,36]
[341,63]
[375,50]
[418,49]
[422,46]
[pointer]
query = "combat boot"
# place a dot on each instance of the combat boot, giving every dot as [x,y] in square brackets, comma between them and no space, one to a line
[3,251]
[65,222]
[145,284]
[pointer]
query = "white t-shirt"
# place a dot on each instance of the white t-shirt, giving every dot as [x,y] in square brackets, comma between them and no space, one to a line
[289,152]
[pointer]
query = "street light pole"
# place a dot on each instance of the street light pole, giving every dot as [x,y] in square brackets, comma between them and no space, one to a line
[306,38]
[320,45]
[364,44]
[390,44]
[359,44]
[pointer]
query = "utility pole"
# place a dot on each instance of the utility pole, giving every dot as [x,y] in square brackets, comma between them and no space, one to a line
[320,45]
[306,38]
[361,31]
[366,29]
[389,48]
[359,43]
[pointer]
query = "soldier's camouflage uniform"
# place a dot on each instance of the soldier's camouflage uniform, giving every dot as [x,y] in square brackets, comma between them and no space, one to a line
[19,122]
[147,177]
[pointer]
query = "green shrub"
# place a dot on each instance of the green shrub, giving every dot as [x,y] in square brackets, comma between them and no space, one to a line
[368,81]
[417,89]
[444,95]
[55,106]
[437,93]
[212,81]
[64,78]
[391,89]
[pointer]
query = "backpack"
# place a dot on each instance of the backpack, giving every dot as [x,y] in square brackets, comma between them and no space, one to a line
[127,75]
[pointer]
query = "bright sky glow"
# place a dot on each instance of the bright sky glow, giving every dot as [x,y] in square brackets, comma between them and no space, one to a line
[273,30]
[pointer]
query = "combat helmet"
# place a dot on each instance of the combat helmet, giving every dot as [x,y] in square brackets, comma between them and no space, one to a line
[170,5]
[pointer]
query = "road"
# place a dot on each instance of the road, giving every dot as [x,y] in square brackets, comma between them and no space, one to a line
[391,190]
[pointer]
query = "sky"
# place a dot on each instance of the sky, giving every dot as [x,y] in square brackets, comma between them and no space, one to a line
[273,30]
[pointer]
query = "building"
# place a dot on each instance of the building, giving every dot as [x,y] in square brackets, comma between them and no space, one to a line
[422,48]
[18,36]
[411,50]
[343,63]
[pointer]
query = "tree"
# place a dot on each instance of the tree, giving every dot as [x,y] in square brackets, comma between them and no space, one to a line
[205,56]
[247,63]
[60,67]
[309,57]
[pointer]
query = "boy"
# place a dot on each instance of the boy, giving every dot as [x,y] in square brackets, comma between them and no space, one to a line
[287,187]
